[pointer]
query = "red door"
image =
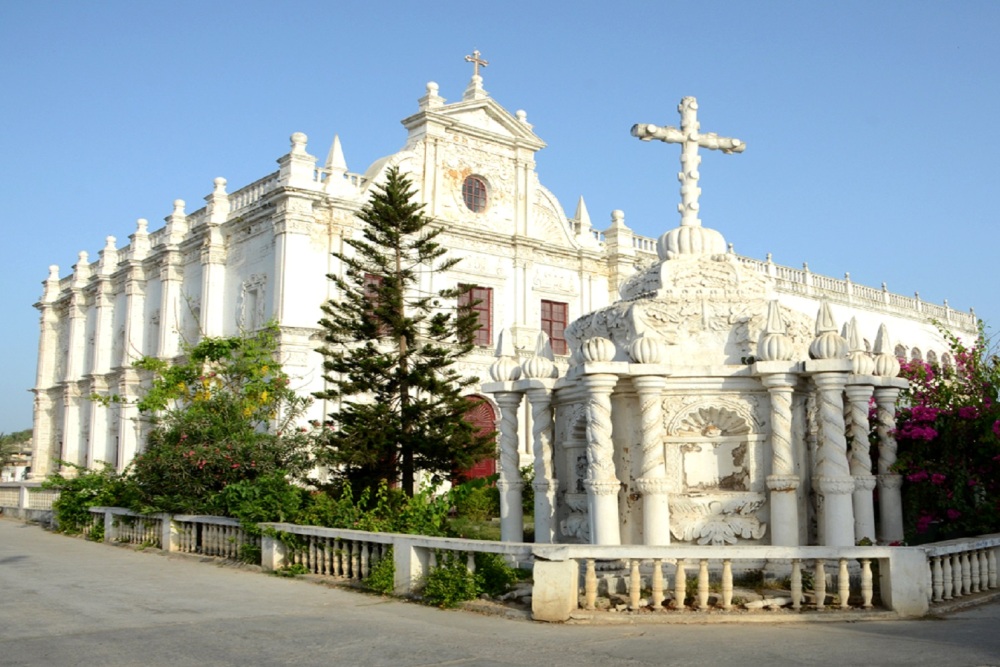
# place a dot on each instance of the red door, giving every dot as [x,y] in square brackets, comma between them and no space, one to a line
[482,416]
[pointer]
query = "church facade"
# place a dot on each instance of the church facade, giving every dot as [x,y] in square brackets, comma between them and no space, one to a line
[262,252]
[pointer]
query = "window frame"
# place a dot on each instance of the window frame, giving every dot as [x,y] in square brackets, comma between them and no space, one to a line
[475,193]
[484,335]
[559,345]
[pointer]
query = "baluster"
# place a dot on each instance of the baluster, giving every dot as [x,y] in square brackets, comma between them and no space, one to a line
[992,559]
[590,585]
[656,585]
[326,556]
[966,574]
[470,562]
[946,577]
[727,584]
[634,584]
[867,587]
[844,585]
[680,585]
[365,555]
[796,584]
[820,585]
[974,566]
[355,557]
[956,571]
[312,554]
[984,570]
[937,579]
[703,584]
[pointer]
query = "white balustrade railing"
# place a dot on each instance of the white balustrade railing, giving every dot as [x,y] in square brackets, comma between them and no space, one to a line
[216,536]
[26,496]
[127,527]
[958,568]
[251,194]
[350,554]
[568,578]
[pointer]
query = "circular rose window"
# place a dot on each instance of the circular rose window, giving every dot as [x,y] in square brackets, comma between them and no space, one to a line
[474,193]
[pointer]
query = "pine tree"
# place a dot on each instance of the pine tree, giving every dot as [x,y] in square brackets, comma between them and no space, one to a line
[390,349]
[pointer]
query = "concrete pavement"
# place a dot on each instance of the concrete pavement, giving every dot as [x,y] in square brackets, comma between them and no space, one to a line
[65,601]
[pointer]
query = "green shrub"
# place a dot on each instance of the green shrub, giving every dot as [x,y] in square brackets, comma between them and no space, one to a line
[477,499]
[450,582]
[494,576]
[88,488]
[382,577]
[268,498]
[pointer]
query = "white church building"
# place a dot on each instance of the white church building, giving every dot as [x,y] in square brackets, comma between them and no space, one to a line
[262,252]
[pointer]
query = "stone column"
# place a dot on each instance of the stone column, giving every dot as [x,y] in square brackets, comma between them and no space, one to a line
[545,484]
[171,276]
[510,484]
[602,484]
[43,421]
[213,261]
[832,474]
[652,483]
[782,482]
[858,396]
[72,436]
[890,502]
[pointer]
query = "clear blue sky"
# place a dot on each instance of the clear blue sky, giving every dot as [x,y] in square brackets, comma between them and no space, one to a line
[870,125]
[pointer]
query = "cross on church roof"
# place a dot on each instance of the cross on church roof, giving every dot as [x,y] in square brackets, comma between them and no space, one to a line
[476,62]
[690,139]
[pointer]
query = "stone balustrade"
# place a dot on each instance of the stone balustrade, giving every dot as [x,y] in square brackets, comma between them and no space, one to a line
[27,500]
[957,568]
[350,554]
[568,578]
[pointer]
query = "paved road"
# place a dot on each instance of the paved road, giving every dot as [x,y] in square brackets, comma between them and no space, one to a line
[65,601]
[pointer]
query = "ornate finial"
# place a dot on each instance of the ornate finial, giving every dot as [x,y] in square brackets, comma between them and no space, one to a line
[541,365]
[886,363]
[861,362]
[774,343]
[646,350]
[476,62]
[220,186]
[828,344]
[505,368]
[691,139]
[299,140]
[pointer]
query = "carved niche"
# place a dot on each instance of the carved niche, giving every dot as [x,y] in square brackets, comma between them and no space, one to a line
[251,306]
[715,467]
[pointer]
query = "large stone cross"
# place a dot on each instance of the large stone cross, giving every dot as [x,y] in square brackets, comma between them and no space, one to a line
[690,139]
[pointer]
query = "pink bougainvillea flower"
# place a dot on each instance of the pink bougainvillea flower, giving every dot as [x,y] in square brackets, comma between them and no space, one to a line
[953,514]
[968,412]
[920,476]
[938,478]
[996,428]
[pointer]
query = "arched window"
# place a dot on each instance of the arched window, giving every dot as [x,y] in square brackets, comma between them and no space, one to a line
[474,194]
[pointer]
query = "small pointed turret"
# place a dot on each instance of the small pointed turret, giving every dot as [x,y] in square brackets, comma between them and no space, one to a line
[582,216]
[335,158]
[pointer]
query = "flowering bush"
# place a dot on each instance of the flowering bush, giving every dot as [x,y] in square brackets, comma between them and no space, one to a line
[949,443]
[224,415]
